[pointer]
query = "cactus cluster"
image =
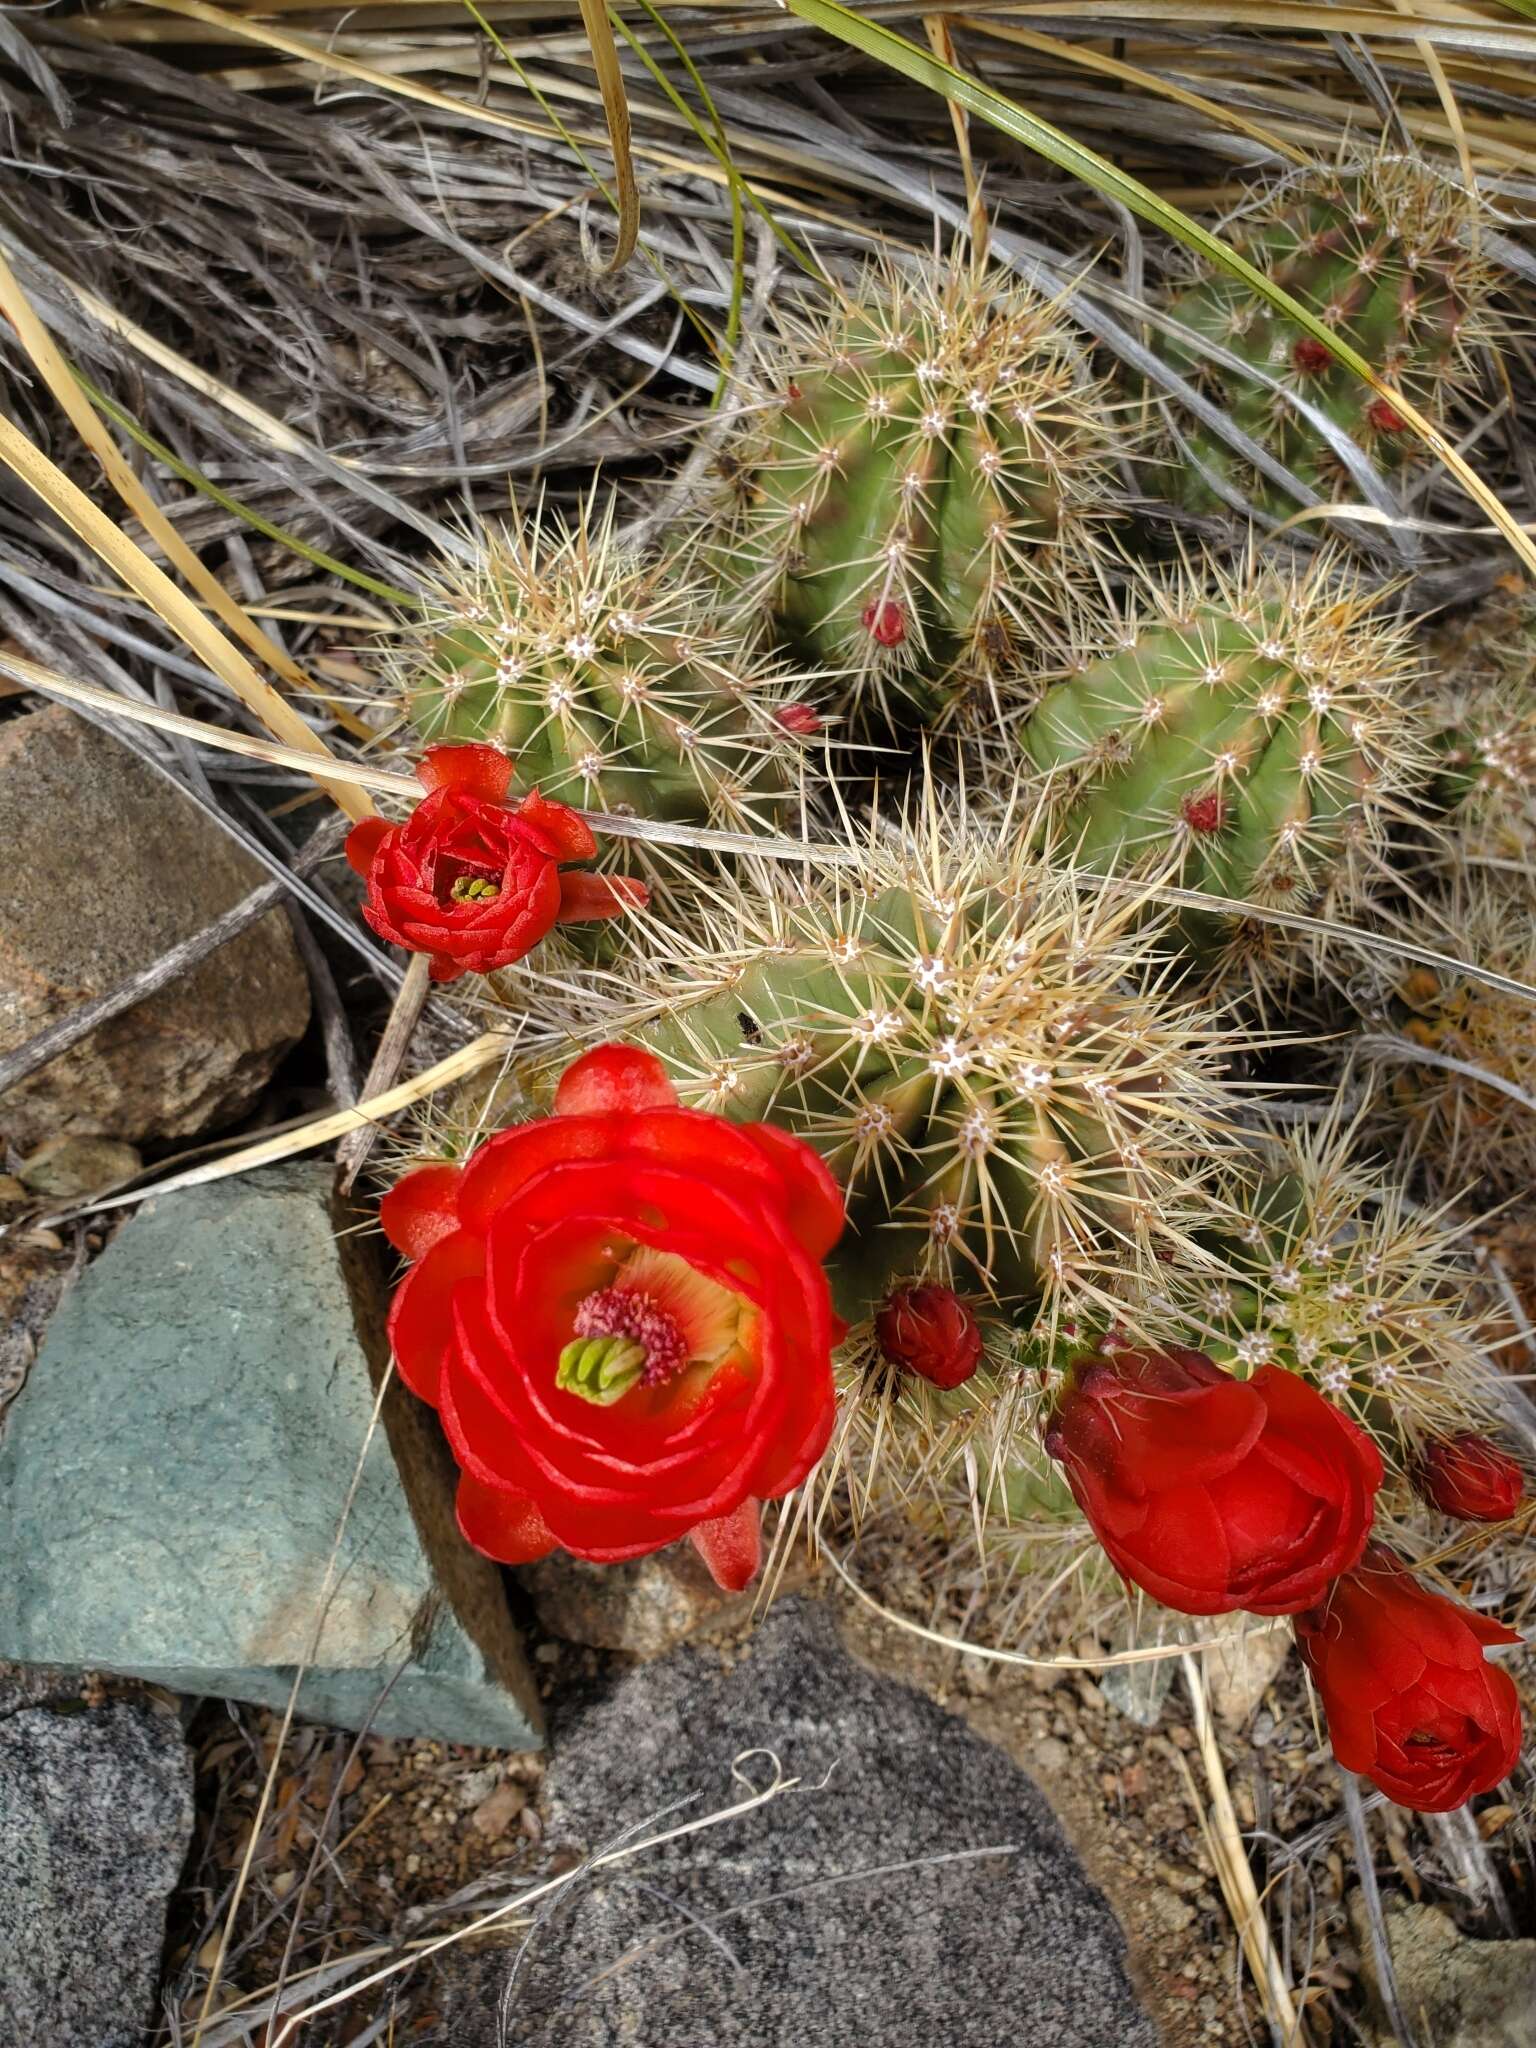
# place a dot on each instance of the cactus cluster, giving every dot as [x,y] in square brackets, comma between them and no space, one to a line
[605,675]
[917,495]
[995,1068]
[1247,735]
[1479,704]
[1386,255]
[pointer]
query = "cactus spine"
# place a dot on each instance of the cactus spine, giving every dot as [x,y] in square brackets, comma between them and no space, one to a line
[1385,254]
[603,675]
[919,498]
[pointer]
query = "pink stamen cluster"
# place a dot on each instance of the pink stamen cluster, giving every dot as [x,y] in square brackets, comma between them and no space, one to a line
[630,1312]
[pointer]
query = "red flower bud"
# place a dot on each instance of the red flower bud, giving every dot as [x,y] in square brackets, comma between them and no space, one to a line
[1471,1478]
[471,880]
[1385,418]
[929,1330]
[1213,1493]
[1412,1702]
[799,719]
[1311,356]
[885,621]
[1204,814]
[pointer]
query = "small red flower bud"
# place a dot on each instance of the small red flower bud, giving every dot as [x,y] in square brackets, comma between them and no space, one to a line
[932,1332]
[1310,356]
[1385,418]
[1204,814]
[799,719]
[885,620]
[1471,1478]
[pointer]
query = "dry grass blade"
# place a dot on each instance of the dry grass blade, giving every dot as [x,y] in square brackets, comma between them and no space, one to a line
[1236,1879]
[173,605]
[610,80]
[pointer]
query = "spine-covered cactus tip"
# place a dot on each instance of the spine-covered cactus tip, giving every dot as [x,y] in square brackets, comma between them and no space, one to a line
[1386,253]
[1247,735]
[988,1058]
[919,486]
[605,675]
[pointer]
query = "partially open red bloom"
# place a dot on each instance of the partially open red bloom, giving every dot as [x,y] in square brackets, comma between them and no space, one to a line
[886,622]
[619,1312]
[474,881]
[932,1332]
[1471,1478]
[1212,1493]
[1412,1702]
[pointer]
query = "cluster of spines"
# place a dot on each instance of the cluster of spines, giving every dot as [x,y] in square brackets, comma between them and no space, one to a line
[1333,1273]
[922,496]
[605,674]
[1246,733]
[1385,253]
[993,1062]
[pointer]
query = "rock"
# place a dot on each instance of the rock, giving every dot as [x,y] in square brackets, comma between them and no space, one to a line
[1139,1691]
[854,1908]
[32,1277]
[106,866]
[1454,1991]
[95,1818]
[172,1476]
[64,1167]
[1248,1660]
[646,1607]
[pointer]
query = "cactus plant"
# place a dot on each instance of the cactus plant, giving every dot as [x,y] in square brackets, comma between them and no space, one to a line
[918,486]
[1246,736]
[1386,254]
[603,676]
[1336,1275]
[991,1063]
[1480,710]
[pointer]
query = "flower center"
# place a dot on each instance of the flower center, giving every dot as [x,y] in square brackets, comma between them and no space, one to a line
[474,889]
[655,1320]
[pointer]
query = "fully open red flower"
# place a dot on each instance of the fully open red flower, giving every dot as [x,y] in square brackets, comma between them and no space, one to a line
[1412,1702]
[929,1330]
[1212,1493]
[619,1312]
[1471,1478]
[471,880]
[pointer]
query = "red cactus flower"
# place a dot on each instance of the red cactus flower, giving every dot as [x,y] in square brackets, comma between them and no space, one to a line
[1471,1478]
[885,621]
[1412,1703]
[1385,417]
[620,1314]
[473,881]
[929,1330]
[1311,356]
[1214,1494]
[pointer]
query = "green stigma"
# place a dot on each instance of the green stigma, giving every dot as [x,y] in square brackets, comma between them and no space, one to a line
[600,1369]
[474,889]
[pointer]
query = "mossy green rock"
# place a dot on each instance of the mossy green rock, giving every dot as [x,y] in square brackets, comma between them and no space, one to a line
[173,1475]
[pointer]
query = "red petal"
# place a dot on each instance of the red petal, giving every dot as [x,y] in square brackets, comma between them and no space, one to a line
[472,770]
[364,841]
[732,1547]
[420,1209]
[614,1080]
[566,830]
[816,1213]
[501,1525]
[421,1315]
[584,897]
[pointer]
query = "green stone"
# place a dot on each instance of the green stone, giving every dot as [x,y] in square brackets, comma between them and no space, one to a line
[173,1475]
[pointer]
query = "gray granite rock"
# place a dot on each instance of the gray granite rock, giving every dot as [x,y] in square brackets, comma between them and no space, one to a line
[95,1818]
[173,1473]
[914,1888]
[106,866]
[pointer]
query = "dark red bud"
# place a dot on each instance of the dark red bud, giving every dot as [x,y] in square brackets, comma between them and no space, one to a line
[885,621]
[1385,418]
[1310,356]
[930,1331]
[1204,814]
[799,719]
